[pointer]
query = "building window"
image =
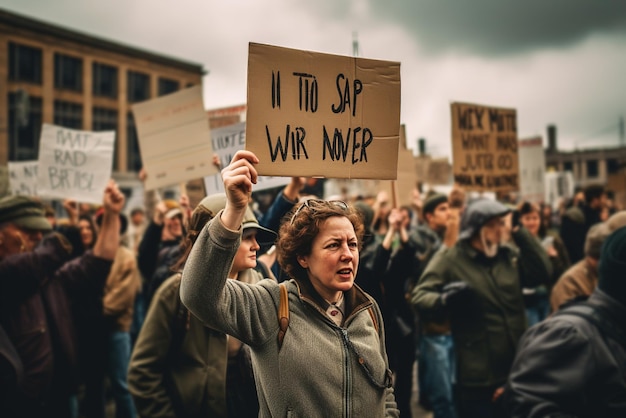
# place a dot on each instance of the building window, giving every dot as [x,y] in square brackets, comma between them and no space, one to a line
[138,87]
[68,114]
[24,120]
[24,63]
[167,86]
[612,166]
[68,72]
[104,80]
[568,166]
[592,168]
[104,119]
[133,160]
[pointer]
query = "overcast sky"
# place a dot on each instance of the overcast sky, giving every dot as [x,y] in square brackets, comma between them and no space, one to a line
[557,62]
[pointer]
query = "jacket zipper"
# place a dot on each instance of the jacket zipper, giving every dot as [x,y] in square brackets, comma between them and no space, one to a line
[348,374]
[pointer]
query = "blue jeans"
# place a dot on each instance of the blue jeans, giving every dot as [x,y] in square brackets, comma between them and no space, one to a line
[119,357]
[538,311]
[139,314]
[437,369]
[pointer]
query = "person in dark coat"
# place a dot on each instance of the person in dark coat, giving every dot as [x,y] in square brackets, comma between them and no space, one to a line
[570,365]
[39,283]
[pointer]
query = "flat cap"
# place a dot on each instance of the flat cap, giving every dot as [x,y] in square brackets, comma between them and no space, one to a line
[23,212]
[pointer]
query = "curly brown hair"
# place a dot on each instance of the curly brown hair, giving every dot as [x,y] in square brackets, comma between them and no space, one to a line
[302,225]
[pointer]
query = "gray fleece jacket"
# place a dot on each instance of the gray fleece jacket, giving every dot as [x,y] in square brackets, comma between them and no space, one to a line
[322,370]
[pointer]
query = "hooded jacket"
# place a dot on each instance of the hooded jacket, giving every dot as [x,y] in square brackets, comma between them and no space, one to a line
[488,326]
[321,370]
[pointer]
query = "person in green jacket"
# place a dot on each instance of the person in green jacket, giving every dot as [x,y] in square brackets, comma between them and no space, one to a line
[180,368]
[478,283]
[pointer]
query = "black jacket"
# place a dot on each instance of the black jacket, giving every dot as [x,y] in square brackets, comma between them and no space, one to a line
[566,367]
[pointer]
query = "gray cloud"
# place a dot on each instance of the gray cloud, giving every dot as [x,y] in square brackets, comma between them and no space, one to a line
[496,27]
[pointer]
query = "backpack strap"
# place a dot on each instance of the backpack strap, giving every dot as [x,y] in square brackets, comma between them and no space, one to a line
[283,314]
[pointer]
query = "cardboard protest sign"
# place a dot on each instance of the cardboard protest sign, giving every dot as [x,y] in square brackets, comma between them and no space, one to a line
[74,164]
[321,115]
[484,148]
[407,176]
[532,161]
[23,177]
[174,138]
[226,141]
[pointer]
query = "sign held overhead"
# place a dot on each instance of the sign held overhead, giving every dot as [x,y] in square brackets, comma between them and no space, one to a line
[484,148]
[321,115]
[174,138]
[74,164]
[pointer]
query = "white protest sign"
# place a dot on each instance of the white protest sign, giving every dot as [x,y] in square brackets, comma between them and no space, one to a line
[226,142]
[74,164]
[174,138]
[23,177]
[532,162]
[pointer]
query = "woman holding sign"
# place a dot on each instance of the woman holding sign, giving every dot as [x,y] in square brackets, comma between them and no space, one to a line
[326,355]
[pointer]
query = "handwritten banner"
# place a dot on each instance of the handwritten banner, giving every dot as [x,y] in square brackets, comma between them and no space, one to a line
[174,138]
[484,148]
[226,142]
[74,164]
[23,177]
[321,115]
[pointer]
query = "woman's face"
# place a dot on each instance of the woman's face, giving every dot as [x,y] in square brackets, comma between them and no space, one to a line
[531,221]
[86,233]
[334,258]
[246,254]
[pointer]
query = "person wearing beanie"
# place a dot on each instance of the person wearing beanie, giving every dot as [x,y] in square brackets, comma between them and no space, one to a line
[477,284]
[574,363]
[580,280]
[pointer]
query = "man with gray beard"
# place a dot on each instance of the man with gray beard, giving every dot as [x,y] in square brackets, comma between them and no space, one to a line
[477,284]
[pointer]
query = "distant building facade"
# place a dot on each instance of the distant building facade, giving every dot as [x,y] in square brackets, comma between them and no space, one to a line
[49,74]
[606,166]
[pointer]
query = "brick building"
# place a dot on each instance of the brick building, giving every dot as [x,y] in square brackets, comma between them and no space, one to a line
[50,74]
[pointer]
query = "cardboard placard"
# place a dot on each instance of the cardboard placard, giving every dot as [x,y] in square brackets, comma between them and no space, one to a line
[532,161]
[407,175]
[174,138]
[74,164]
[226,141]
[320,115]
[484,148]
[23,177]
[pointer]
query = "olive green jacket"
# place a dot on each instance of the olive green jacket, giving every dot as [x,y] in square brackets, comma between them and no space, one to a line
[488,324]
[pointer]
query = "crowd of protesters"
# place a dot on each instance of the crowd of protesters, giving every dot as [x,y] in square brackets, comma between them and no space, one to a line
[313,307]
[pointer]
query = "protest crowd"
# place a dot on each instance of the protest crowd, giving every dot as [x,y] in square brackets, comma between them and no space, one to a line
[313,307]
[469,301]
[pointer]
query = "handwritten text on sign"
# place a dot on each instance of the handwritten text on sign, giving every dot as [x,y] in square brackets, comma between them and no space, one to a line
[312,114]
[74,164]
[226,142]
[484,146]
[23,177]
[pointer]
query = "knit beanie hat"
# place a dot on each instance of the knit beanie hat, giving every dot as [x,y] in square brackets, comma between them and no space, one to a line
[612,279]
[431,203]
